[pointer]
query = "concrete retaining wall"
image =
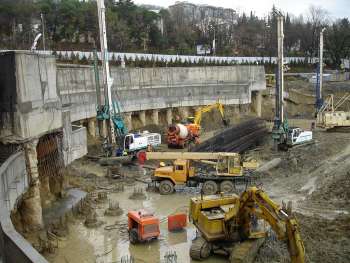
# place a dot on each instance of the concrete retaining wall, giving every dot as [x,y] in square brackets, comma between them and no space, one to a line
[157,88]
[29,104]
[14,181]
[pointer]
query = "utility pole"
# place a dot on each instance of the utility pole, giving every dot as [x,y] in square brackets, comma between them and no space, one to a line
[319,77]
[107,80]
[43,29]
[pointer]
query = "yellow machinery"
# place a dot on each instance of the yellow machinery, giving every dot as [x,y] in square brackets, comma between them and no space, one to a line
[227,223]
[196,120]
[329,116]
[227,169]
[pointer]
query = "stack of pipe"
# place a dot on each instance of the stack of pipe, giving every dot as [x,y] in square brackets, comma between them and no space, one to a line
[237,138]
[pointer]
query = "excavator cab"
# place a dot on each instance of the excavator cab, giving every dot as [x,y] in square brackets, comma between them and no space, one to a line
[230,166]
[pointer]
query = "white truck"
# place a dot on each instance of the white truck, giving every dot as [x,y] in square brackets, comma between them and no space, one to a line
[298,136]
[134,142]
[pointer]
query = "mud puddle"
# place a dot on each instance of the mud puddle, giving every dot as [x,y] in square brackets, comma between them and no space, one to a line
[109,242]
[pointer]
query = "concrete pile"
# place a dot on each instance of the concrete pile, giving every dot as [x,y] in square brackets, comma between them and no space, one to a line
[237,138]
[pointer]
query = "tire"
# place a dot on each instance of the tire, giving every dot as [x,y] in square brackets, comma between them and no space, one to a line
[209,188]
[166,187]
[133,236]
[227,186]
[200,249]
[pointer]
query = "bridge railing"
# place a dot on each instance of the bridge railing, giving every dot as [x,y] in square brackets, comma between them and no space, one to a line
[13,183]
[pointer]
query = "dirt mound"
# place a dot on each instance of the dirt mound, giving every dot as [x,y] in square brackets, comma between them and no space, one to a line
[326,240]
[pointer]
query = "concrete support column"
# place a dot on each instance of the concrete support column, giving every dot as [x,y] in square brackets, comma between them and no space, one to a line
[67,137]
[92,127]
[184,112]
[169,116]
[31,210]
[257,103]
[155,117]
[45,191]
[104,129]
[142,116]
[128,120]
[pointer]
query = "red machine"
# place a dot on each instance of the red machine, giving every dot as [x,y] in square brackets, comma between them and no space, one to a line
[180,135]
[177,222]
[142,226]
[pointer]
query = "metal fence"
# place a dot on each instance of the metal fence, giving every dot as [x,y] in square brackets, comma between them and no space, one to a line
[118,56]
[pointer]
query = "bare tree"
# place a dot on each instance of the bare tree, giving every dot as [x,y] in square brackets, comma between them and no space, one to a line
[317,18]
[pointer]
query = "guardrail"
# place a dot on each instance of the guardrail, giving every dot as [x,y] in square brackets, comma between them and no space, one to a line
[13,182]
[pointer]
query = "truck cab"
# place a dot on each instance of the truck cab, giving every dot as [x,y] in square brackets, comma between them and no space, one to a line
[298,136]
[169,176]
[177,173]
[134,142]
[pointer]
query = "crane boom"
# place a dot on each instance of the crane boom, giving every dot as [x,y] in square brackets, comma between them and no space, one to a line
[188,155]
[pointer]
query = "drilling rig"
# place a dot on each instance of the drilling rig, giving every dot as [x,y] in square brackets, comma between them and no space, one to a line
[109,113]
[283,135]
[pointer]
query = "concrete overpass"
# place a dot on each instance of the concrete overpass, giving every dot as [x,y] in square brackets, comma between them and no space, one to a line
[160,91]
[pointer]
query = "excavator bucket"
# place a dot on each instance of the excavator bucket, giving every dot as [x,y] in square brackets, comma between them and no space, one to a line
[226,122]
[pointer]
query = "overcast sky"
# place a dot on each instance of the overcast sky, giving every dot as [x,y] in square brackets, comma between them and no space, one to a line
[336,8]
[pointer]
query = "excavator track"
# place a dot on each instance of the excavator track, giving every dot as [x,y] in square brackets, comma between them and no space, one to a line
[200,249]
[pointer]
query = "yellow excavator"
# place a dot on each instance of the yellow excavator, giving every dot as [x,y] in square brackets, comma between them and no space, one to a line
[188,131]
[228,224]
[197,119]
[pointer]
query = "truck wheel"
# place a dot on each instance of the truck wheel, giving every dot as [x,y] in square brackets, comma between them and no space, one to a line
[209,188]
[200,249]
[133,236]
[166,187]
[227,186]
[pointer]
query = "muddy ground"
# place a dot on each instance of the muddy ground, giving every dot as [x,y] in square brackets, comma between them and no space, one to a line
[316,178]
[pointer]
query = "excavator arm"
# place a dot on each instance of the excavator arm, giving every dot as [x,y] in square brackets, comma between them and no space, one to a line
[218,105]
[256,202]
